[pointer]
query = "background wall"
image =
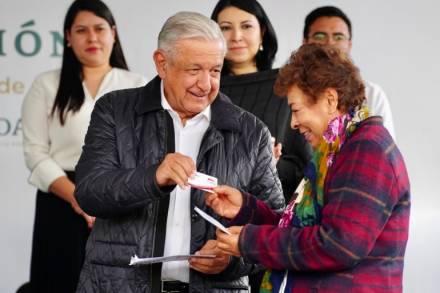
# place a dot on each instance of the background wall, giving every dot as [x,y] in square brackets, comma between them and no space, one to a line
[396,44]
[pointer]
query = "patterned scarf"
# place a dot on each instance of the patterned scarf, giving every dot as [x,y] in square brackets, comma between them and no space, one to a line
[306,210]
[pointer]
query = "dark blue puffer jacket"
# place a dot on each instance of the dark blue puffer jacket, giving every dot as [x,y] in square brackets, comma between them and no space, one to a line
[125,143]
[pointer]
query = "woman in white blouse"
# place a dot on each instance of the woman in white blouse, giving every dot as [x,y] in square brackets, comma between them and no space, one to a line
[55,115]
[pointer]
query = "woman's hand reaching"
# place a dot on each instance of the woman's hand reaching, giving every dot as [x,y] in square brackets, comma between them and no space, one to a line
[89,219]
[226,201]
[64,188]
[228,244]
[276,149]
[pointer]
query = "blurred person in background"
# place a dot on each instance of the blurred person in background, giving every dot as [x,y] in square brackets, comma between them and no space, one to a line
[329,25]
[56,113]
[248,79]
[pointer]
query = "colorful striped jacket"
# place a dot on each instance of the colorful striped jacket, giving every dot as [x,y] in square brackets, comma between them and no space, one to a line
[360,243]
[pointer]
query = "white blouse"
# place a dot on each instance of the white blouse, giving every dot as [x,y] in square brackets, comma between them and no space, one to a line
[49,147]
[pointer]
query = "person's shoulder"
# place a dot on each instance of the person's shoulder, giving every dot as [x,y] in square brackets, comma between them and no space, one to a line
[250,122]
[378,103]
[371,129]
[373,90]
[122,98]
[372,142]
[226,111]
[248,90]
[223,106]
[250,79]
[50,77]
[369,83]
[124,95]
[372,134]
[45,85]
[135,79]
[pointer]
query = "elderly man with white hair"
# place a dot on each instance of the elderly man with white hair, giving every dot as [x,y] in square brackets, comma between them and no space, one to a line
[142,146]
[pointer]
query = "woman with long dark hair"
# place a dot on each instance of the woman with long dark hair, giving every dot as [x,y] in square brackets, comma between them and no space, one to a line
[248,79]
[56,113]
[252,42]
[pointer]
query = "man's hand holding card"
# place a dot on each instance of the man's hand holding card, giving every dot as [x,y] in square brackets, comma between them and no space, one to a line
[203,182]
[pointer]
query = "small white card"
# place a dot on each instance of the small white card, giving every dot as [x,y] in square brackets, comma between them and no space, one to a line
[203,182]
[135,260]
[212,220]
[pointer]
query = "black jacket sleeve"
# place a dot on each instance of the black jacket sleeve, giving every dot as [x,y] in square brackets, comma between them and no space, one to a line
[105,189]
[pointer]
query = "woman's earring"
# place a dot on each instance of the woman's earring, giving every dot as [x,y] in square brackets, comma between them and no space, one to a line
[261,47]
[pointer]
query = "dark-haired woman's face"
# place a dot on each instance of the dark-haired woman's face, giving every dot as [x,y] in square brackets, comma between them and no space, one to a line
[243,36]
[91,39]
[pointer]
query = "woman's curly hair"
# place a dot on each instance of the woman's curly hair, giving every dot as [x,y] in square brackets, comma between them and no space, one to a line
[314,68]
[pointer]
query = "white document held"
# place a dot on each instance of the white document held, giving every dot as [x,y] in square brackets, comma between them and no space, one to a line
[212,220]
[135,260]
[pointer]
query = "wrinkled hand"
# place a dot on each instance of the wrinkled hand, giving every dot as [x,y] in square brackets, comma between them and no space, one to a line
[210,265]
[229,243]
[276,149]
[226,201]
[89,219]
[175,169]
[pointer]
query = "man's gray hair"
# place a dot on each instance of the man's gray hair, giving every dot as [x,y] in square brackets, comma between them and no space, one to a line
[188,25]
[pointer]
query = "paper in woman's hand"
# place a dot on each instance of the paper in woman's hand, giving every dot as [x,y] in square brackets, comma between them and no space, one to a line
[212,220]
[135,260]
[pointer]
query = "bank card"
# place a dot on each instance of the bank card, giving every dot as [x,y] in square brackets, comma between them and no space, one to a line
[203,182]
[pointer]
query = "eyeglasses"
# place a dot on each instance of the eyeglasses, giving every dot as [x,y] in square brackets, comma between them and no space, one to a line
[321,37]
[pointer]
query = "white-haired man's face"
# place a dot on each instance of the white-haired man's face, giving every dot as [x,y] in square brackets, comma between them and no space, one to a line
[191,74]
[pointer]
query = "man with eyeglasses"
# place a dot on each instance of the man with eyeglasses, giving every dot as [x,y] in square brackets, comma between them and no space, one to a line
[328,25]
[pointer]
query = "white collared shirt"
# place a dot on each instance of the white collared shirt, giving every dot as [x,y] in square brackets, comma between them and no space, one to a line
[187,138]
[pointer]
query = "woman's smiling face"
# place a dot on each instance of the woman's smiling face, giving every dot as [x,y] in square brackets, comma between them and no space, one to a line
[309,117]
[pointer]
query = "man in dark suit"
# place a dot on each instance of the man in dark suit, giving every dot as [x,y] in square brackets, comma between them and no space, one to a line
[141,147]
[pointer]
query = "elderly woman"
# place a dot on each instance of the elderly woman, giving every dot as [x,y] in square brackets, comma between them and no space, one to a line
[347,229]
